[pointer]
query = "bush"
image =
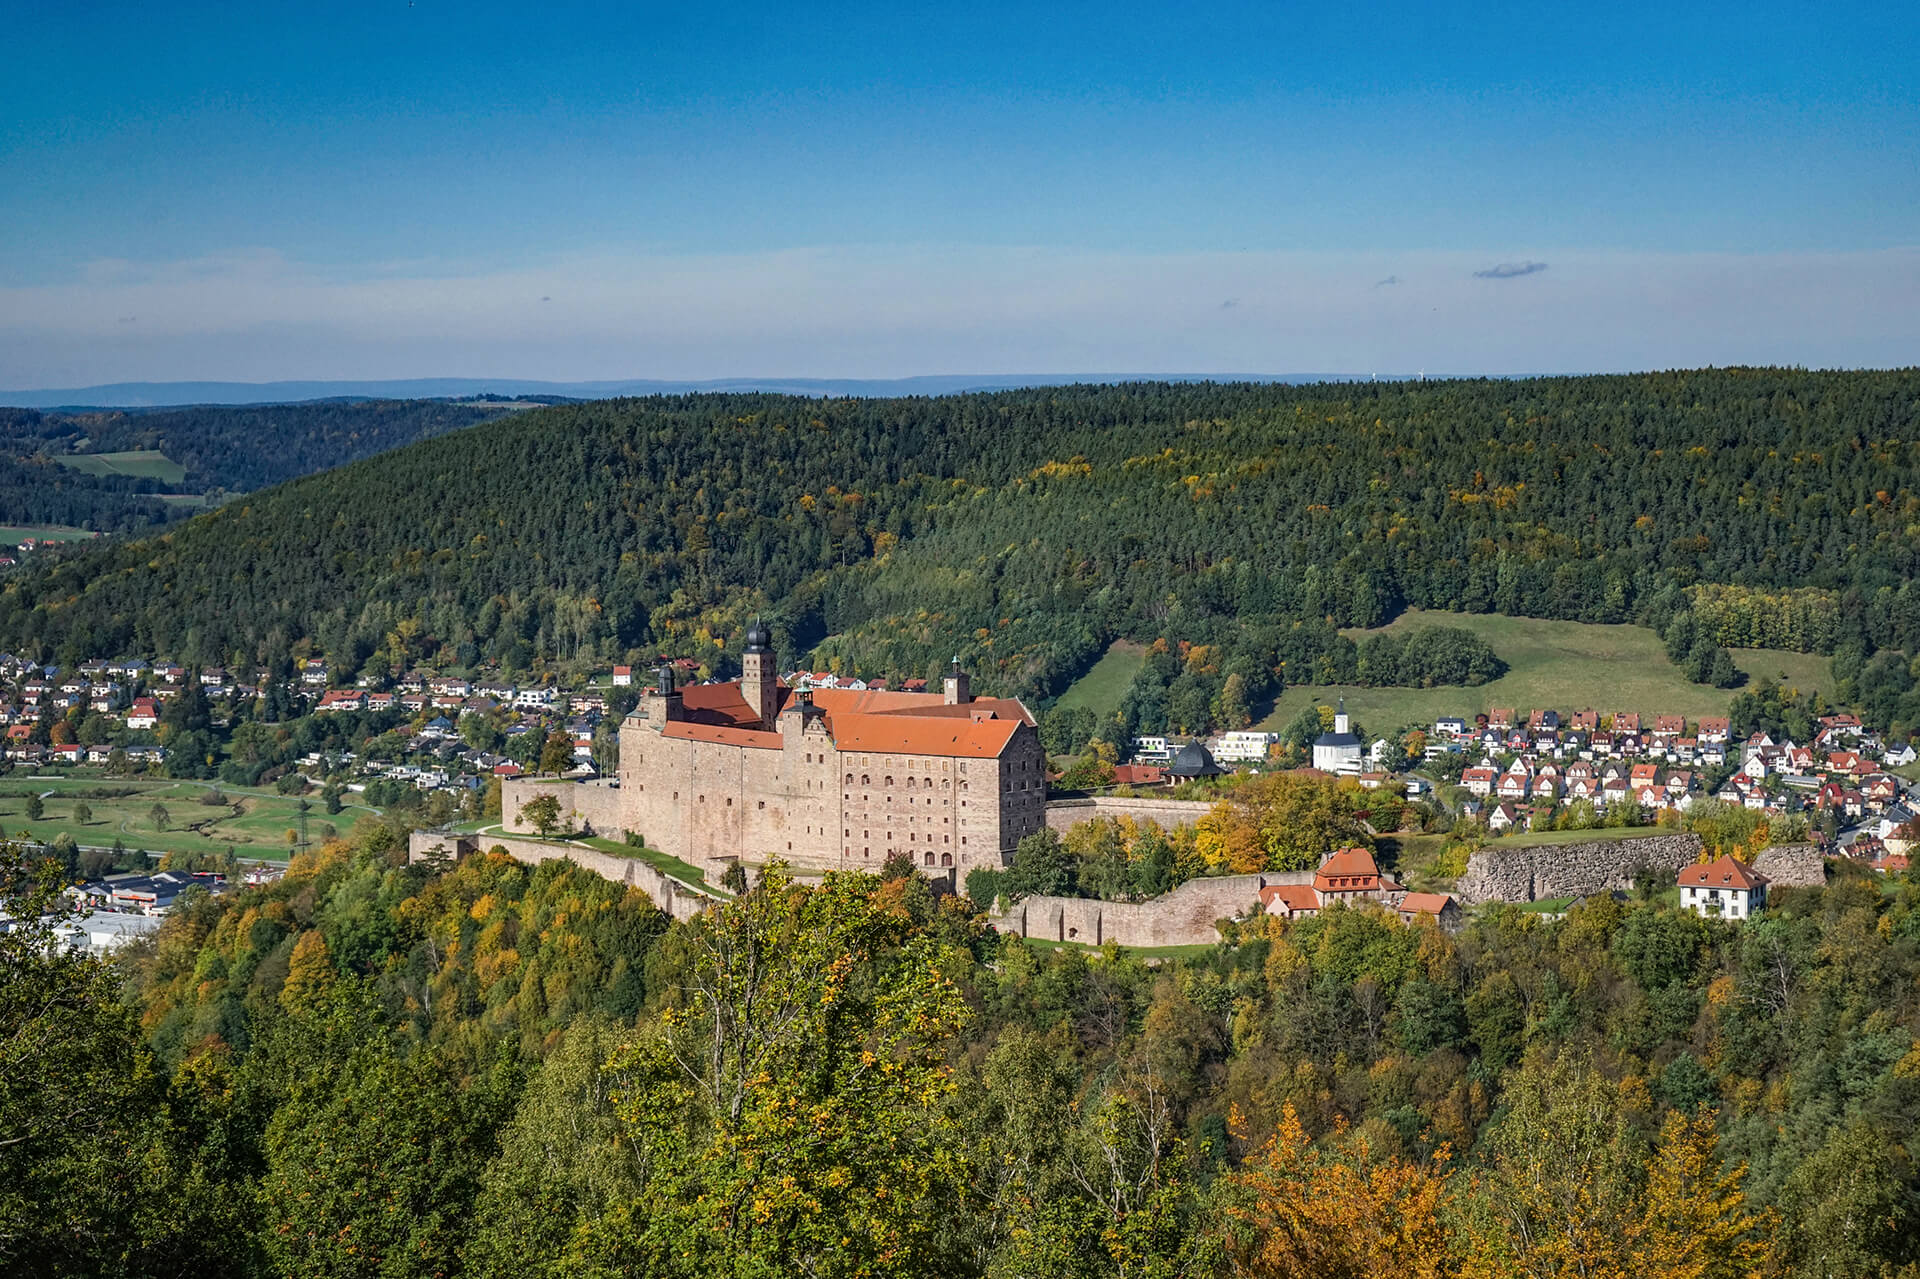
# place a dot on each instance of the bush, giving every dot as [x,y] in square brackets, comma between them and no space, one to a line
[984,886]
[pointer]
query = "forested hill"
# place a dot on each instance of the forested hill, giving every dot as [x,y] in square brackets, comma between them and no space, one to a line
[241,448]
[1025,529]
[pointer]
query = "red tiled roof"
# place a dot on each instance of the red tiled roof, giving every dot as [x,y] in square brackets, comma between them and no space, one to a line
[929,735]
[1424,903]
[1295,897]
[1722,872]
[725,734]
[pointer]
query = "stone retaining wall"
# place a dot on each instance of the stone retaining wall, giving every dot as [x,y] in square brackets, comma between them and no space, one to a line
[670,895]
[1543,871]
[1063,814]
[592,808]
[1183,917]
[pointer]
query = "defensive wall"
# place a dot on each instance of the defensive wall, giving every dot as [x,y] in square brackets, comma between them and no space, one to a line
[677,899]
[591,808]
[1183,917]
[1063,814]
[1540,871]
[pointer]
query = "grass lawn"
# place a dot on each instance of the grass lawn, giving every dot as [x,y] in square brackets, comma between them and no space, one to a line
[665,863]
[1564,665]
[140,463]
[1042,945]
[260,829]
[1105,682]
[11,534]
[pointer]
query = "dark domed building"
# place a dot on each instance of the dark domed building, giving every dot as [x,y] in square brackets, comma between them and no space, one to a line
[1193,760]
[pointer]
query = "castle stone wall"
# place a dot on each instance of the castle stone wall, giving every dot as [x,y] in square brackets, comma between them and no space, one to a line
[1496,874]
[1064,814]
[1792,866]
[1183,917]
[589,807]
[677,899]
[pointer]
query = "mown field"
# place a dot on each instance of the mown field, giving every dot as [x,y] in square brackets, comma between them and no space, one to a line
[1105,682]
[11,534]
[1564,665]
[259,829]
[139,463]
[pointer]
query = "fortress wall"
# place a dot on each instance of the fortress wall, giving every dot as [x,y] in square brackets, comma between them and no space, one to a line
[1580,870]
[1183,917]
[668,894]
[1063,814]
[1792,866]
[590,806]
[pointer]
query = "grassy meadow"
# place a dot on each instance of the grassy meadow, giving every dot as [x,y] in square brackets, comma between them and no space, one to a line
[11,534]
[1565,665]
[1105,682]
[259,829]
[139,463]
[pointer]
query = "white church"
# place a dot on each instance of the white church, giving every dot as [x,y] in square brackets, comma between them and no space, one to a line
[1338,751]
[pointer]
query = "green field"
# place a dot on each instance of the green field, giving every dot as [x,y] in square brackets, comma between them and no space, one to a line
[148,464]
[1105,682]
[1564,665]
[667,864]
[260,830]
[10,534]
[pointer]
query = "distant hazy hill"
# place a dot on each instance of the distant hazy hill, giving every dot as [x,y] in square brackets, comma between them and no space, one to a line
[1024,530]
[150,394]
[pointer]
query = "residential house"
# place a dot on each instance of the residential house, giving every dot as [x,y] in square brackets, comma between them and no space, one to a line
[1726,888]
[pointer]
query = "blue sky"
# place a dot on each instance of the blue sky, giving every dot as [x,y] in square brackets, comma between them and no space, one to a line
[569,190]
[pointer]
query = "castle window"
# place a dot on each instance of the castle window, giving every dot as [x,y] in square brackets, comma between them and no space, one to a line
[676,794]
[929,859]
[763,803]
[729,801]
[946,859]
[849,779]
[865,780]
[889,779]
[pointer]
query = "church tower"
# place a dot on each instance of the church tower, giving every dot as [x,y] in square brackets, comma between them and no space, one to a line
[760,675]
[959,688]
[1340,716]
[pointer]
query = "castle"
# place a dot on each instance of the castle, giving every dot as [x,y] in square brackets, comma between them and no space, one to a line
[827,779]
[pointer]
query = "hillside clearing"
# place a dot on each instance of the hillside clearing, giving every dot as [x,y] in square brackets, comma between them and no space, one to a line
[1563,665]
[1105,683]
[149,464]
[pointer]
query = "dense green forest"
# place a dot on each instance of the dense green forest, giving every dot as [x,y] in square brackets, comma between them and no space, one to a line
[370,1068]
[222,449]
[1027,529]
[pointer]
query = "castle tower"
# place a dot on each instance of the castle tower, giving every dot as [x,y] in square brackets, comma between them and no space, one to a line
[959,688]
[660,704]
[759,674]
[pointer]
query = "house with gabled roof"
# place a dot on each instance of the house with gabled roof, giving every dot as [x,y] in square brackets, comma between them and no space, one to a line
[1725,888]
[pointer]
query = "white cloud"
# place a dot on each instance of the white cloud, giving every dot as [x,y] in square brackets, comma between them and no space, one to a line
[896,311]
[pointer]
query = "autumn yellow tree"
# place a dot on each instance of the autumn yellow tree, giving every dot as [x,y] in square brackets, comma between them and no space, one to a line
[1335,1210]
[1694,1223]
[309,971]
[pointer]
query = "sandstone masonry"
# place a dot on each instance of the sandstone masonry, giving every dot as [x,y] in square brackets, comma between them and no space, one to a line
[1496,874]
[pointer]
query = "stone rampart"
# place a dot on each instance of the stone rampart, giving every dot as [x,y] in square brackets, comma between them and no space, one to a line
[679,900]
[1792,866]
[1063,814]
[1541,871]
[1183,917]
[592,808]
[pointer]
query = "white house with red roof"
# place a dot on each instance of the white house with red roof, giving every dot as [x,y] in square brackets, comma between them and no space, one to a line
[1724,888]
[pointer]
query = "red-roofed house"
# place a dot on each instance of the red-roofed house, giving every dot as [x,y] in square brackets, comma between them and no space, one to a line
[1290,901]
[1726,888]
[1439,907]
